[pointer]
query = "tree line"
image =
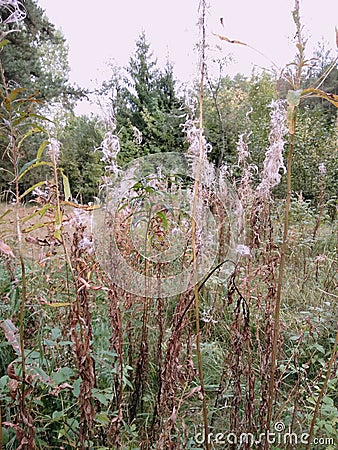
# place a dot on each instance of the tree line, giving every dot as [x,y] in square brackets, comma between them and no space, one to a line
[150,110]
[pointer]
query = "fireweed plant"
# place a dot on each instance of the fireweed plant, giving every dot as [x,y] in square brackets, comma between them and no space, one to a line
[283,119]
[200,339]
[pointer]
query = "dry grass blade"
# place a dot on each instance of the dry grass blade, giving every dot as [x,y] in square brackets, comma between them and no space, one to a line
[231,41]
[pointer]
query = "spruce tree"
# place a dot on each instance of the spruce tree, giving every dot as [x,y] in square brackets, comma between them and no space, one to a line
[35,57]
[148,112]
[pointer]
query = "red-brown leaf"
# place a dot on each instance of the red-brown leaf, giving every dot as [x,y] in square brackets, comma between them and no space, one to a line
[231,41]
[12,335]
[6,249]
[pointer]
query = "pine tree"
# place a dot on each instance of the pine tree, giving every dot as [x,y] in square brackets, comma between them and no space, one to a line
[34,71]
[35,57]
[148,112]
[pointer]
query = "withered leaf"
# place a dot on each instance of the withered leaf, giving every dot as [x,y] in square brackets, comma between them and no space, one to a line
[6,249]
[231,41]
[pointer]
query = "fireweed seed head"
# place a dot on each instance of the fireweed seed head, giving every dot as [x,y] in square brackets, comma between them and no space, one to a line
[193,139]
[86,244]
[81,218]
[15,9]
[53,150]
[143,232]
[137,135]
[110,148]
[243,250]
[274,162]
[242,150]
[322,169]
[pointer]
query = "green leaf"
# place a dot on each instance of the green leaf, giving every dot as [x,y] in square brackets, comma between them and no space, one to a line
[27,165]
[41,149]
[41,183]
[40,117]
[14,93]
[320,348]
[76,387]
[66,186]
[40,212]
[330,428]
[58,224]
[100,397]
[4,42]
[293,97]
[3,382]
[294,338]
[65,343]
[109,355]
[31,165]
[163,218]
[7,104]
[23,116]
[5,213]
[58,304]
[332,98]
[328,400]
[36,226]
[29,133]
[56,333]
[5,436]
[124,205]
[312,400]
[62,375]
[102,419]
[37,374]
[58,415]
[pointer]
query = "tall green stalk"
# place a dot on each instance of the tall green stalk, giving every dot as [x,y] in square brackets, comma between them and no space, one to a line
[293,102]
[276,329]
[194,249]
[14,155]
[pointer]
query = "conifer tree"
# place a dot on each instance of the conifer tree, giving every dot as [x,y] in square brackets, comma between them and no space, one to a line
[148,112]
[35,57]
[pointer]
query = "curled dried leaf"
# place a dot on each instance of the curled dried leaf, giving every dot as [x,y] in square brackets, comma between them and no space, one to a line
[6,249]
[193,391]
[332,98]
[11,372]
[231,41]
[12,335]
[61,387]
[13,388]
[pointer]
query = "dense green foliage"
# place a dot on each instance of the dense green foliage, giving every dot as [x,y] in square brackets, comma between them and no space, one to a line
[149,114]
[80,137]
[36,57]
[34,62]
[235,106]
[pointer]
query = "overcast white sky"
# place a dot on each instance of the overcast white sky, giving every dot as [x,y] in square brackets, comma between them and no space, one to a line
[107,29]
